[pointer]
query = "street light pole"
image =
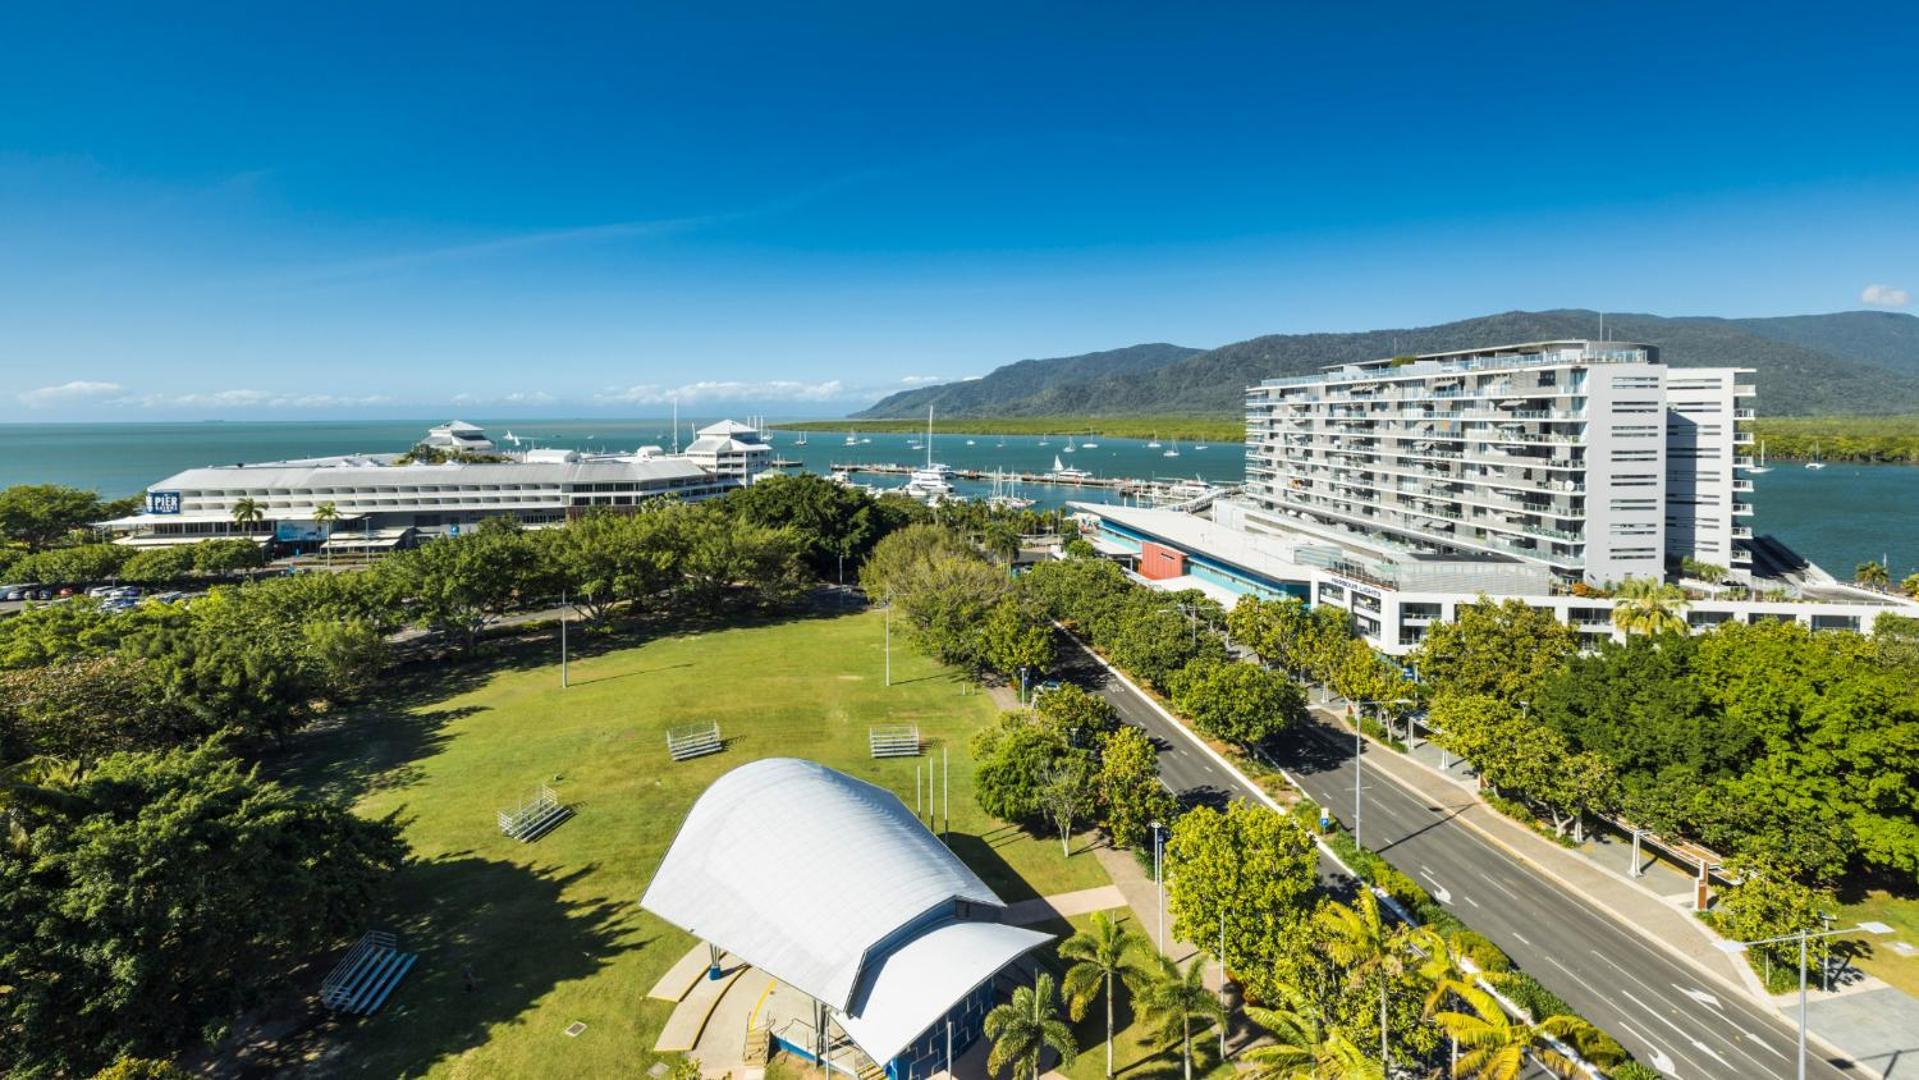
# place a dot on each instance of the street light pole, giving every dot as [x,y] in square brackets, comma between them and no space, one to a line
[1803,937]
[889,641]
[1159,884]
[563,673]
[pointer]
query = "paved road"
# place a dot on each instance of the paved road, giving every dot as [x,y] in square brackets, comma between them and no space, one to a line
[1659,1008]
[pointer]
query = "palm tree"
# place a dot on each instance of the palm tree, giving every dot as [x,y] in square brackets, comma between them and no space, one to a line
[1102,952]
[247,512]
[1302,1048]
[1172,999]
[324,516]
[1445,976]
[1025,1027]
[1361,940]
[44,781]
[1649,606]
[1497,1046]
[1910,586]
[1872,575]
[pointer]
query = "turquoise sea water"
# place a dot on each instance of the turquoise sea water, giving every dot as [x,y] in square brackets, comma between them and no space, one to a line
[1836,516]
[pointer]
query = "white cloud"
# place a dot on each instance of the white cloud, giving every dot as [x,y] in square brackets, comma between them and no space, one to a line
[517,397]
[252,399]
[923,380]
[78,390]
[726,390]
[1885,296]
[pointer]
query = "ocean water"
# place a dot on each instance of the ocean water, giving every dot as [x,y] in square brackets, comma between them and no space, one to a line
[1838,516]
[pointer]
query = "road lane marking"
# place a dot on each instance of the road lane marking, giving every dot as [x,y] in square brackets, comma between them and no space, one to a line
[1470,900]
[1659,1059]
[1700,996]
[1731,1044]
[1697,1045]
[1495,884]
[1439,891]
[1522,939]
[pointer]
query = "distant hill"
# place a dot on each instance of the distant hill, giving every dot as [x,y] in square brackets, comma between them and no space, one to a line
[1850,363]
[1887,339]
[983,396]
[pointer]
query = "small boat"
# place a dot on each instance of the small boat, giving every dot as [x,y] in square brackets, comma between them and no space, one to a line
[864,442]
[1089,445]
[801,441]
[932,481]
[1065,475]
[1815,463]
[1173,450]
[1154,443]
[1761,467]
[852,439]
[1042,440]
[969,442]
[1070,448]
[1199,448]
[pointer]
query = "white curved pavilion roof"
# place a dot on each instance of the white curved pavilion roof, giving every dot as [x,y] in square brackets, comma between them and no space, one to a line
[801,870]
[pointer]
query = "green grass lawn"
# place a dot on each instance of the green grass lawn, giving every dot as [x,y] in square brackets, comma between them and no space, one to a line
[551,931]
[1900,913]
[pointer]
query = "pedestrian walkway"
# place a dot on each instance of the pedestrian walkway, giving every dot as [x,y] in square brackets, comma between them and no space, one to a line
[1064,905]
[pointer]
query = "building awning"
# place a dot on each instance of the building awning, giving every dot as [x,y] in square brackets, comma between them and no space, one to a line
[908,991]
[377,540]
[1109,547]
[1212,589]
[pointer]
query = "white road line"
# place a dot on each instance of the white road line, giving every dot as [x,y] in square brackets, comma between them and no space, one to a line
[1495,884]
[1676,1007]
[1697,1045]
[1522,939]
[1659,1059]
[1470,900]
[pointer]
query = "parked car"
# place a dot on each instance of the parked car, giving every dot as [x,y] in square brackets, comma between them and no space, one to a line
[101,592]
[28,591]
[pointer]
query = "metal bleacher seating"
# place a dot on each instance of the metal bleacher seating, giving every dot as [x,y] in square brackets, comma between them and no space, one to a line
[535,817]
[363,978]
[694,740]
[894,740]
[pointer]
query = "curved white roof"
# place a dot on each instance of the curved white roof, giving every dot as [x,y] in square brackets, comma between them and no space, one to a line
[801,871]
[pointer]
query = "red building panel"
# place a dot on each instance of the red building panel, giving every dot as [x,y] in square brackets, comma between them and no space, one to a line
[1158,562]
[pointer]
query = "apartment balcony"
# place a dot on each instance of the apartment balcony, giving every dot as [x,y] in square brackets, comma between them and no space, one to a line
[1742,463]
[1742,438]
[1742,485]
[1740,509]
[1744,390]
[1742,532]
[1742,414]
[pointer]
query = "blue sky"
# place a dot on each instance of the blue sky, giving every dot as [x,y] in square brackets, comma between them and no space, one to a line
[336,209]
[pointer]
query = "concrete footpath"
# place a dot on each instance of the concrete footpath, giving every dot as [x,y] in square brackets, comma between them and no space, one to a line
[1875,1025]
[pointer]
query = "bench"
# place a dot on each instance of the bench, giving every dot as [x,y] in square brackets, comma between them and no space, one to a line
[894,740]
[363,978]
[535,817]
[694,740]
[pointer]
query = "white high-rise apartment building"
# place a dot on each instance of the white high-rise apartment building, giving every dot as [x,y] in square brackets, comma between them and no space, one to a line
[1589,458]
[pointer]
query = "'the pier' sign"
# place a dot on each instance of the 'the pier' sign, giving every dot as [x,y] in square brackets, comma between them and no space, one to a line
[163,502]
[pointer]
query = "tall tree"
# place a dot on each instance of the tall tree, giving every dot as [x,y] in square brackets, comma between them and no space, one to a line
[1068,795]
[40,514]
[1172,999]
[1250,871]
[1497,649]
[218,884]
[247,512]
[1131,796]
[1102,956]
[1494,1046]
[1649,606]
[1024,1027]
[1302,1047]
[1014,641]
[1240,703]
[1872,575]
[1370,948]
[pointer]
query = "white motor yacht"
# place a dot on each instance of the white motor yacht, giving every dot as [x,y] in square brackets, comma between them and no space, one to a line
[1067,475]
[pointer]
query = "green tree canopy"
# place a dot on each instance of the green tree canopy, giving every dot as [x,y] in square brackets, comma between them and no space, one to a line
[217,884]
[1240,703]
[1131,796]
[1499,649]
[1255,868]
[40,514]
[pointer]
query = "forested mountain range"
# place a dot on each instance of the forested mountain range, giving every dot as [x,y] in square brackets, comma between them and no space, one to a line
[1843,364]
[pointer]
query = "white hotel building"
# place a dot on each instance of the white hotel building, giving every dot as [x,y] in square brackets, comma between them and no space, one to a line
[382,504]
[1400,488]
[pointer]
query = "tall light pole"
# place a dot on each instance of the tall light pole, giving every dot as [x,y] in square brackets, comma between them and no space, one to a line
[563,620]
[889,641]
[1803,937]
[1159,884]
[1222,984]
[1359,747]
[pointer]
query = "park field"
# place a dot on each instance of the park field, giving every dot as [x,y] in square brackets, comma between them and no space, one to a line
[517,941]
